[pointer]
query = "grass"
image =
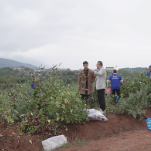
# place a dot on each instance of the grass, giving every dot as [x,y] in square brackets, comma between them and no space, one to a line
[74,142]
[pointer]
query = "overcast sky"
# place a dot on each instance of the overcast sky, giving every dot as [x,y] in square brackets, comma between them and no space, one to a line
[117,32]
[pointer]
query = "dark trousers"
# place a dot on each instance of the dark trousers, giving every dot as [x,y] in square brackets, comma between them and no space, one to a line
[101,98]
[84,96]
[116,91]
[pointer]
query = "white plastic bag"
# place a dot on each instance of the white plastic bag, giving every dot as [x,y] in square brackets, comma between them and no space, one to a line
[54,142]
[95,114]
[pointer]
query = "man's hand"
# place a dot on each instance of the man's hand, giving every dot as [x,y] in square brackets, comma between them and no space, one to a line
[91,70]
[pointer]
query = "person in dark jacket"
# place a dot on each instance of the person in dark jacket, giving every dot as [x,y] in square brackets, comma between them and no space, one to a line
[85,81]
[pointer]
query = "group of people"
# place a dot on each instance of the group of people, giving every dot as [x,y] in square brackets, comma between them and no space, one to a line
[88,76]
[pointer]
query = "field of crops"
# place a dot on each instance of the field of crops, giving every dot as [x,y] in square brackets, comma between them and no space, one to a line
[56,102]
[52,104]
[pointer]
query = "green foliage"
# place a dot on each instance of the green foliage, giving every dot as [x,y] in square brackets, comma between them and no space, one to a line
[7,113]
[73,142]
[9,77]
[51,99]
[58,100]
[68,76]
[92,101]
[131,86]
[139,69]
[54,99]
[135,98]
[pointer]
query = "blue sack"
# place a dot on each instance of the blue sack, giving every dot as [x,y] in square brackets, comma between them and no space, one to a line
[148,121]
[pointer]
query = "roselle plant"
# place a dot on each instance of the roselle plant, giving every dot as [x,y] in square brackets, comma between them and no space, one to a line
[131,86]
[36,123]
[7,113]
[135,98]
[57,100]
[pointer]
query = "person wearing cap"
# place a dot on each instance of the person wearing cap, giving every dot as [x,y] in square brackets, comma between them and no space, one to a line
[85,80]
[148,74]
[115,80]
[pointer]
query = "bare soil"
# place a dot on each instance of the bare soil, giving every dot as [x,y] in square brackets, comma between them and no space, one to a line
[121,132]
[128,141]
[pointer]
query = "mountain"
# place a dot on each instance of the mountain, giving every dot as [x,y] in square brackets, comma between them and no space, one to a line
[13,63]
[31,60]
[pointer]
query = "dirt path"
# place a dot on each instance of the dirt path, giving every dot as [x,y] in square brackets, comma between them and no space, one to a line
[128,141]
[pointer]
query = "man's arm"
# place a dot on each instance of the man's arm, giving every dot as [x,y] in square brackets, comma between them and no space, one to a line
[99,72]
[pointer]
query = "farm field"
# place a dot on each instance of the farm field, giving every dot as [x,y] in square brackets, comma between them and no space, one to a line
[53,107]
[75,75]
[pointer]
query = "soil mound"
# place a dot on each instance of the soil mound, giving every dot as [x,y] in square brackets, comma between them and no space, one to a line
[94,130]
[116,124]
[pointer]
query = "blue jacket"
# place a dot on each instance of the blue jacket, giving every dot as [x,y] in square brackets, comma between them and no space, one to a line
[115,81]
[32,84]
[148,74]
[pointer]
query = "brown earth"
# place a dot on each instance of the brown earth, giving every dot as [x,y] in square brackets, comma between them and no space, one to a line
[128,141]
[98,135]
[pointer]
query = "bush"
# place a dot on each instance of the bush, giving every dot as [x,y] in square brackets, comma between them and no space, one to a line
[134,105]
[37,124]
[7,113]
[58,100]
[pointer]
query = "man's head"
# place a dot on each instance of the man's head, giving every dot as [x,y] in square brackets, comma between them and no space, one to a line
[114,71]
[99,64]
[85,64]
[150,68]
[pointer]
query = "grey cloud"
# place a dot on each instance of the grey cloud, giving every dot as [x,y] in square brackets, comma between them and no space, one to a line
[81,26]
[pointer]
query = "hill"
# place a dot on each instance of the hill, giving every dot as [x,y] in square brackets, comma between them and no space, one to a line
[13,63]
[138,69]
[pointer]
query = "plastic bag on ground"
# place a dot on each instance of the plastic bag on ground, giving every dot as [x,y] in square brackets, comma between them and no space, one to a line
[97,115]
[148,121]
[54,142]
